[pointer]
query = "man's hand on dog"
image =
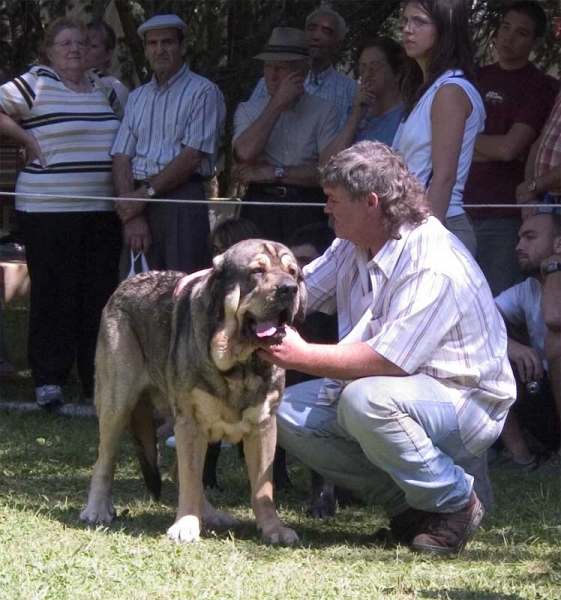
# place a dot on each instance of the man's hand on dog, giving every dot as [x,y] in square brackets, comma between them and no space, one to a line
[291,353]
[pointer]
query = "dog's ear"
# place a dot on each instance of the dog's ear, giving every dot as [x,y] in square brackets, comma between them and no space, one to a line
[302,299]
[218,262]
[215,286]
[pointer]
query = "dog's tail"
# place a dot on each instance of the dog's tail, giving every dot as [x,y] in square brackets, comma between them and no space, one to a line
[143,430]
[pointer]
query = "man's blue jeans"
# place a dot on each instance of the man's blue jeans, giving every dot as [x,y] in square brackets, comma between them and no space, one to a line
[393,441]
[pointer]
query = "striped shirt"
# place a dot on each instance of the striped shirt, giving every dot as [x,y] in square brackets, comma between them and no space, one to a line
[74,131]
[160,121]
[423,304]
[331,85]
[549,148]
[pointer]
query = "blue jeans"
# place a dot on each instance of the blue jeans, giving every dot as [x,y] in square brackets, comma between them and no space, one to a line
[496,252]
[392,441]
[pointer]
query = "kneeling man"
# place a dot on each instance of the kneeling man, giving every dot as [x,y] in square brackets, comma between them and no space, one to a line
[420,383]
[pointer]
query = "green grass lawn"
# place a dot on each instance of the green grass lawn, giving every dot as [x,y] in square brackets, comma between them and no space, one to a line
[47,553]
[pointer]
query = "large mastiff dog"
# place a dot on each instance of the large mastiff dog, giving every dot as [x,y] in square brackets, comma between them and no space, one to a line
[186,346]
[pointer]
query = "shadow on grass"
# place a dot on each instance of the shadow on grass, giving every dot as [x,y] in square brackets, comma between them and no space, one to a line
[46,464]
[458,594]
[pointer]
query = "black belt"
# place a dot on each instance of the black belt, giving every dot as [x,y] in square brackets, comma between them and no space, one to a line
[196,178]
[284,191]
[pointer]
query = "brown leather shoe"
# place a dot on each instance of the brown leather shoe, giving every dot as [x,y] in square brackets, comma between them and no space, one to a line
[448,533]
[403,528]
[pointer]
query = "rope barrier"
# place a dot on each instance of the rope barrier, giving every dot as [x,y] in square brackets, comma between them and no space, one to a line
[236,201]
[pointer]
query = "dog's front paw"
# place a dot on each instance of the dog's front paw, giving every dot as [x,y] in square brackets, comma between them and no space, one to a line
[280,535]
[216,519]
[100,513]
[186,529]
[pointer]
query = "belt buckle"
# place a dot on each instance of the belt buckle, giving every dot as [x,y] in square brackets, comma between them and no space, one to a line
[281,191]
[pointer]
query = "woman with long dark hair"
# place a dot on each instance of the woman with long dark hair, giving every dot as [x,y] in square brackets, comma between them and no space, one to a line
[443,109]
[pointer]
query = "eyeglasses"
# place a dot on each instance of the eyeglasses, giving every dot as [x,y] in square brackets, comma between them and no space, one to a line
[67,44]
[414,23]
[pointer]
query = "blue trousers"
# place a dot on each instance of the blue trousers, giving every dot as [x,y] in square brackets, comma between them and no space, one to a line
[392,441]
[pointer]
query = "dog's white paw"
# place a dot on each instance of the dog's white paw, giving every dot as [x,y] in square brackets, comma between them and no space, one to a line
[187,529]
[100,513]
[280,535]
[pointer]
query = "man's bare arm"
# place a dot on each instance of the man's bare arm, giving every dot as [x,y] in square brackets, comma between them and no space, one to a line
[178,171]
[551,310]
[250,144]
[338,361]
[507,147]
[123,180]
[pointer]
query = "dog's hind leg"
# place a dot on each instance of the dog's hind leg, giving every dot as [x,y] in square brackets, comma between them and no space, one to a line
[117,385]
[99,508]
[143,430]
[259,448]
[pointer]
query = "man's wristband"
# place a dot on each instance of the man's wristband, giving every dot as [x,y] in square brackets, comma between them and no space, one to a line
[549,266]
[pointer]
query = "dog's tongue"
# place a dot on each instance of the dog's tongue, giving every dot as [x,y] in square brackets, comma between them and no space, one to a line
[265,329]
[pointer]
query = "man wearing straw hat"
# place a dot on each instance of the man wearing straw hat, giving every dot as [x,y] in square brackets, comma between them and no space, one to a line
[325,32]
[278,139]
[166,147]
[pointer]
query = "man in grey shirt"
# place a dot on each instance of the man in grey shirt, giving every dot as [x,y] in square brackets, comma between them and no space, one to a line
[278,139]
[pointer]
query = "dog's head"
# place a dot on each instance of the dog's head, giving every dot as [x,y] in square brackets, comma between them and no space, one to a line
[262,290]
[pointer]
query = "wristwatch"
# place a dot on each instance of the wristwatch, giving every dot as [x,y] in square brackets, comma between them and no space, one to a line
[150,191]
[279,172]
[532,185]
[551,267]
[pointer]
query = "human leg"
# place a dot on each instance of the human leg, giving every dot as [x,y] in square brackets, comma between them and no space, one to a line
[98,278]
[553,353]
[496,255]
[312,434]
[180,232]
[408,428]
[462,228]
[51,241]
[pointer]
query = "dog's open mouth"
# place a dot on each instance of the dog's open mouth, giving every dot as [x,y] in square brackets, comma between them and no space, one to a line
[267,330]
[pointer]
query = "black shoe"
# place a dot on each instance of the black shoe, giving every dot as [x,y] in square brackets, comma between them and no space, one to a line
[403,528]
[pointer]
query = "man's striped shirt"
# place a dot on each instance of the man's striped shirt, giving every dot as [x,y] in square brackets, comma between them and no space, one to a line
[160,121]
[423,304]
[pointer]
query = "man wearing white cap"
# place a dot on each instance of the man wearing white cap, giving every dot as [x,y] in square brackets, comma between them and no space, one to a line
[278,139]
[166,147]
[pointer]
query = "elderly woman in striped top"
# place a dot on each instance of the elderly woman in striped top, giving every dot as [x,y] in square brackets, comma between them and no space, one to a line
[66,122]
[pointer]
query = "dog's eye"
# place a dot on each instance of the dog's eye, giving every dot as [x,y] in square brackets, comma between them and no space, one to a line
[293,272]
[257,271]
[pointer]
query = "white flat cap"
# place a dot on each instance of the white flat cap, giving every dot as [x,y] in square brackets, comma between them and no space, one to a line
[162,22]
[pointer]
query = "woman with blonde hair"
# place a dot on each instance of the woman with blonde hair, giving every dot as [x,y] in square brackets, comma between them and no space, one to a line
[64,119]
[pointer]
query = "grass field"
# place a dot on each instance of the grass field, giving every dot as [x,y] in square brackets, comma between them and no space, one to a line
[47,553]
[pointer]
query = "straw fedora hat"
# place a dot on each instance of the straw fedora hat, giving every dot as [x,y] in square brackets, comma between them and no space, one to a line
[285,43]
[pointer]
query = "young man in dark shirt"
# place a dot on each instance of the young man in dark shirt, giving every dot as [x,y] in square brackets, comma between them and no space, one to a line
[518,98]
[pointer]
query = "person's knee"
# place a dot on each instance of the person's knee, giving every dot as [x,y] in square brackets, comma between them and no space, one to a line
[363,401]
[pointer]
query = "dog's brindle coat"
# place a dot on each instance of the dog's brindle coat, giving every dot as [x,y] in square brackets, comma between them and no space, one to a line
[186,345]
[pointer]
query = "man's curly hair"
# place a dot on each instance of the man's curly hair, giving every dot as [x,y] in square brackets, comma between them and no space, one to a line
[370,167]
